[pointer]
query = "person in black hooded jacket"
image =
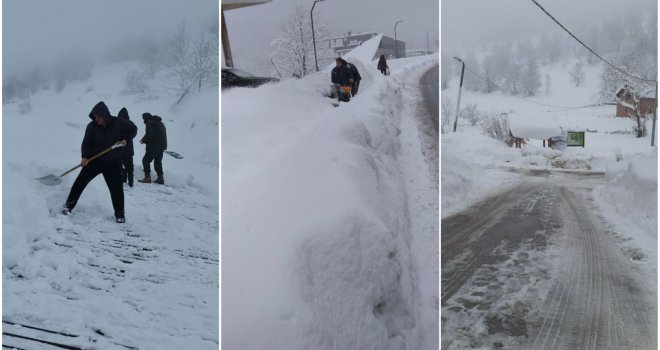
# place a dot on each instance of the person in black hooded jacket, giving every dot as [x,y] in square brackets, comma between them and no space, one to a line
[342,77]
[356,78]
[101,133]
[127,159]
[155,138]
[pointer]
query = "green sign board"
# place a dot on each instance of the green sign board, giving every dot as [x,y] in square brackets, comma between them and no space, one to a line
[575,139]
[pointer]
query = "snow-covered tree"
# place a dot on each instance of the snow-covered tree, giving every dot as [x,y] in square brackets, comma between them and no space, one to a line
[490,72]
[471,114]
[548,85]
[178,52]
[531,77]
[577,74]
[470,80]
[446,110]
[293,49]
[203,62]
[445,70]
[513,79]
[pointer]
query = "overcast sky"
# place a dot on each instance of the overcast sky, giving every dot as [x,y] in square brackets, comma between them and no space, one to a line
[468,24]
[36,30]
[252,29]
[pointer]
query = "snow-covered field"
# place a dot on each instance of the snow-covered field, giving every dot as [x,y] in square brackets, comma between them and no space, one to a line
[474,166]
[325,245]
[151,283]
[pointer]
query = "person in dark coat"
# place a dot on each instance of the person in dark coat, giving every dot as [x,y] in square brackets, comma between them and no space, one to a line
[127,159]
[356,78]
[155,138]
[382,65]
[342,77]
[102,132]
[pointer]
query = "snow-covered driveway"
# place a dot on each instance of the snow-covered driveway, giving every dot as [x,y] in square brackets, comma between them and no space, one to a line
[535,268]
[151,283]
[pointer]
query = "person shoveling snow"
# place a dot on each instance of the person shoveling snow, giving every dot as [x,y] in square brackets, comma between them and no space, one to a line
[103,132]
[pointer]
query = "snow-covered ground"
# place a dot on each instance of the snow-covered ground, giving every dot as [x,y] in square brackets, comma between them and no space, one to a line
[151,283]
[474,166]
[329,231]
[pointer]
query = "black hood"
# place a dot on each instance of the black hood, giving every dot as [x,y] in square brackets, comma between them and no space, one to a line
[148,117]
[123,113]
[100,109]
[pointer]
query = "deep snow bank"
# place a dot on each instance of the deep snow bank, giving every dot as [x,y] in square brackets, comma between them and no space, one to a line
[472,168]
[315,233]
[629,199]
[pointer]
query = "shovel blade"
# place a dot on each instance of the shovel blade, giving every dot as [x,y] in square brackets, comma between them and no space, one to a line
[174,154]
[50,180]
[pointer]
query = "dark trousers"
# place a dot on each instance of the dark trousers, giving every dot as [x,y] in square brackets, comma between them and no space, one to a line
[111,171]
[384,70]
[354,89]
[127,170]
[157,157]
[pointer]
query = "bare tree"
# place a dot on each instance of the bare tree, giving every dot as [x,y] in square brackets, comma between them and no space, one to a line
[513,78]
[446,108]
[548,84]
[531,79]
[293,49]
[471,114]
[203,62]
[179,50]
[577,74]
[497,127]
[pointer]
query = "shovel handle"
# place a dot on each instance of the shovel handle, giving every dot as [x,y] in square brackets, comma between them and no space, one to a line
[118,144]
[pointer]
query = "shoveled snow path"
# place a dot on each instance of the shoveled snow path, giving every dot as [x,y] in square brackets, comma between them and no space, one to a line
[151,283]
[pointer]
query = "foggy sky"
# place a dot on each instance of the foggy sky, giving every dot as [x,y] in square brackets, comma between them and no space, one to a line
[466,24]
[252,29]
[37,30]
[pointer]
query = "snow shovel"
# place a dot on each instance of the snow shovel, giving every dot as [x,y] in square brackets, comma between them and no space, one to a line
[174,154]
[52,179]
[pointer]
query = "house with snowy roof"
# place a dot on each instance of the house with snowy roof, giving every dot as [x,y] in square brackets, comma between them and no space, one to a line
[629,102]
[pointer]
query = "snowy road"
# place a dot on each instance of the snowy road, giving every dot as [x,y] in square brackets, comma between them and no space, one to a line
[535,268]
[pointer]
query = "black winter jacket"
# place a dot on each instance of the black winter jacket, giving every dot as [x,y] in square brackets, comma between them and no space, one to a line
[342,75]
[128,149]
[354,72]
[98,138]
[155,136]
[382,64]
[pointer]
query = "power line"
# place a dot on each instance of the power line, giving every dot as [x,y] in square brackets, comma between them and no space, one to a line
[590,50]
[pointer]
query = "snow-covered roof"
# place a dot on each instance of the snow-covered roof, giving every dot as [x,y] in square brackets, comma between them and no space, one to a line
[235,4]
[538,127]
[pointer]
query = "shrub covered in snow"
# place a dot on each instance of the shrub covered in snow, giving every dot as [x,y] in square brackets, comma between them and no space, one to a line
[497,127]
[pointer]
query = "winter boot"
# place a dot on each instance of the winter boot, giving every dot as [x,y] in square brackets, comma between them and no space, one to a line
[160,180]
[147,179]
[120,218]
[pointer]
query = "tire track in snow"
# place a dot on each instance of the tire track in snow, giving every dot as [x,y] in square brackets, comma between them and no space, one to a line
[589,297]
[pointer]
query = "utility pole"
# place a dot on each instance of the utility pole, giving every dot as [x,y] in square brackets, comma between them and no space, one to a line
[311,14]
[460,88]
[396,46]
[655,114]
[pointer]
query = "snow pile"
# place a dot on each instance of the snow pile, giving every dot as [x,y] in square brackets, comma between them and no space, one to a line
[535,127]
[630,198]
[366,52]
[315,231]
[467,179]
